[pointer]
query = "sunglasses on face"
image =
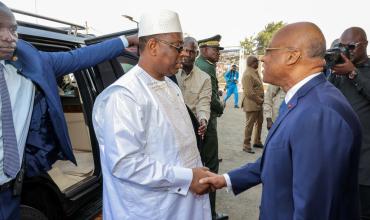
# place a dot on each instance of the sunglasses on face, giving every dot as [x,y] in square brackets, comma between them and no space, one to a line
[178,48]
[353,45]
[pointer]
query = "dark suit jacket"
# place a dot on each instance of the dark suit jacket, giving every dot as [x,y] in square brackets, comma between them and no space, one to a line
[43,68]
[310,163]
[357,92]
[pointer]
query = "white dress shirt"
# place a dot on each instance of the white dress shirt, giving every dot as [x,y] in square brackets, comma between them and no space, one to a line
[21,92]
[291,92]
[147,149]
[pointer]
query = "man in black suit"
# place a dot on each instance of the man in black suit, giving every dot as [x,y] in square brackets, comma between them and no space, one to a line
[353,78]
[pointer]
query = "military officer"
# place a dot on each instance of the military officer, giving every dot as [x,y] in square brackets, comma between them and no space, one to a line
[209,56]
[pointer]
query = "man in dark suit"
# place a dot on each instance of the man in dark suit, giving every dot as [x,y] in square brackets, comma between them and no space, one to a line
[310,163]
[32,119]
[352,78]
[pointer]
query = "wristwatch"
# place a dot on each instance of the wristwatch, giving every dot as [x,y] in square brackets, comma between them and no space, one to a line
[353,74]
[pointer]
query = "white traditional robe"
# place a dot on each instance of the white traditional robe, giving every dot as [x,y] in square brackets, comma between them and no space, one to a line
[147,149]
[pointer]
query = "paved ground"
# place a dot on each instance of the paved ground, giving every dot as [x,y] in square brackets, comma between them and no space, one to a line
[231,135]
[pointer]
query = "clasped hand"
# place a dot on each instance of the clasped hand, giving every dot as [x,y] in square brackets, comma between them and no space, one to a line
[205,181]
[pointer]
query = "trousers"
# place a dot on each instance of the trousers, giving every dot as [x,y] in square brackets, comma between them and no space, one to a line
[232,89]
[9,205]
[254,120]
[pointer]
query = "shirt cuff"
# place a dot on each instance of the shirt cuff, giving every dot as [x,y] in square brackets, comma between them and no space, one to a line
[124,41]
[183,178]
[228,182]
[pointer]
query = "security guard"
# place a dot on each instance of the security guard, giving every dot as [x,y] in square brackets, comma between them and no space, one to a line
[209,56]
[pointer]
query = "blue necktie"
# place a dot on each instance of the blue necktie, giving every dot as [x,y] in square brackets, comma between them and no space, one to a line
[10,148]
[283,108]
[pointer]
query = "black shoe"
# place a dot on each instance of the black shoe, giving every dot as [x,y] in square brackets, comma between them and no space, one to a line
[248,150]
[236,106]
[219,160]
[220,216]
[258,145]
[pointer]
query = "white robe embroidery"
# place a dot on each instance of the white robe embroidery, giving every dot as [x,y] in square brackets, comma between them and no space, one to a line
[147,149]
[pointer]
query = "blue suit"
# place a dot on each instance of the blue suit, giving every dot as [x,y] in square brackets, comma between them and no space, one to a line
[310,163]
[231,78]
[48,138]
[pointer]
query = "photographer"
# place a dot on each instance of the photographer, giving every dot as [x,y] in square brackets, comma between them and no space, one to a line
[231,79]
[352,78]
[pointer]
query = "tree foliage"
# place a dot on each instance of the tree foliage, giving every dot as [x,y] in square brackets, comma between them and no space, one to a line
[257,44]
[249,44]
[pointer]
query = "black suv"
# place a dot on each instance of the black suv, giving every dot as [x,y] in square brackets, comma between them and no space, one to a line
[68,191]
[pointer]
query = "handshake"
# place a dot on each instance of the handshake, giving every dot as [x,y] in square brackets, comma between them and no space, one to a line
[205,181]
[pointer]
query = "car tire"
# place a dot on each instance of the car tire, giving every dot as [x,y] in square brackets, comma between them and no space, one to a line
[43,200]
[30,213]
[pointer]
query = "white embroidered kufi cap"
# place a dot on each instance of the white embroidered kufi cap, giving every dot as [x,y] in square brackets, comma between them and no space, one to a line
[159,22]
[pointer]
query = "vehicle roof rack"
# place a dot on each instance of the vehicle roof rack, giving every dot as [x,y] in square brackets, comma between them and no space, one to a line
[73,28]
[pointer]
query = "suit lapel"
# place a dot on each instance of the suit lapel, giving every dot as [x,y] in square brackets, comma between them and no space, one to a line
[293,102]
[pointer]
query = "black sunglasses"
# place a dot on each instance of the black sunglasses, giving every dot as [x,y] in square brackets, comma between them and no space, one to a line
[353,45]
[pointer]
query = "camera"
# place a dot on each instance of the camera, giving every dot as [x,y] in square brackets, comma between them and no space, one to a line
[332,56]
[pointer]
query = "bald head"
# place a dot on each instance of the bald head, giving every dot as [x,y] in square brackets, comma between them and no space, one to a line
[357,36]
[296,51]
[305,36]
[354,32]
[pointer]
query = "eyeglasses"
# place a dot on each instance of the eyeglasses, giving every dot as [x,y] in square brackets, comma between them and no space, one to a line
[178,48]
[353,45]
[268,49]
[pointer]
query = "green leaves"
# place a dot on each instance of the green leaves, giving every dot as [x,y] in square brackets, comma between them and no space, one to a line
[256,44]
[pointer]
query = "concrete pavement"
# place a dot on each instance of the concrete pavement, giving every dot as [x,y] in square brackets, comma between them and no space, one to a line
[230,137]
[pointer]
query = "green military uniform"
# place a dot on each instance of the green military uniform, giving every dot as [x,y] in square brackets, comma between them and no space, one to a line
[209,153]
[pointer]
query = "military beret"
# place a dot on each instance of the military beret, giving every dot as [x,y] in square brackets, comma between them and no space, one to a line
[211,42]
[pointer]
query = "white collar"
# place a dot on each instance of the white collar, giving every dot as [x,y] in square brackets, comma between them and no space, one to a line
[292,91]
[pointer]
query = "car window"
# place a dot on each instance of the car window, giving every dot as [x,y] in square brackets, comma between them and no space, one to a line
[126,67]
[127,62]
